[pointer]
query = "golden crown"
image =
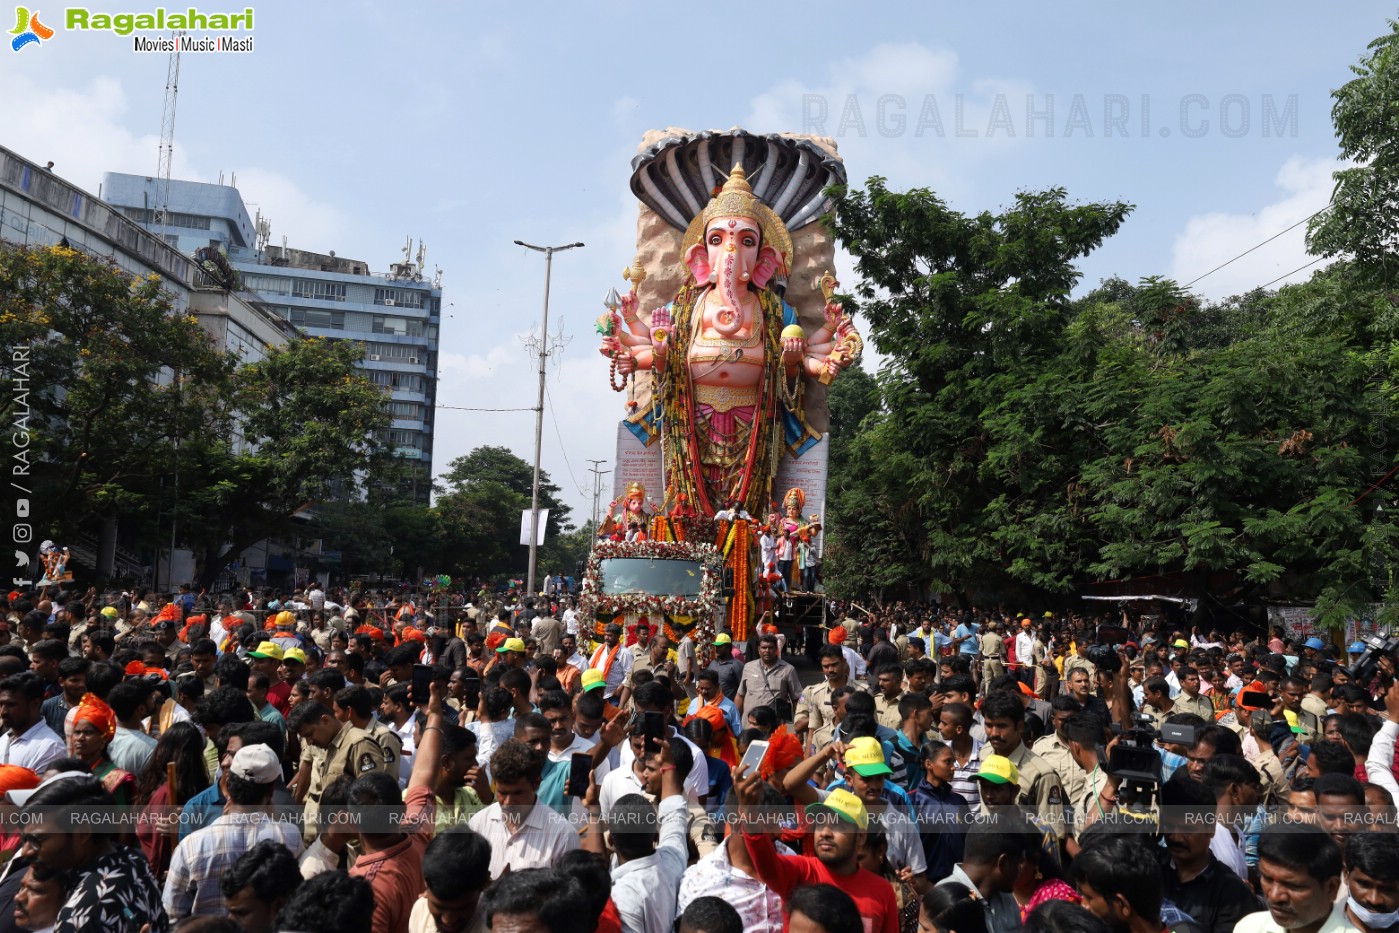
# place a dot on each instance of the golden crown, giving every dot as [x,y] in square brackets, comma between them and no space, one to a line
[635,489]
[736,199]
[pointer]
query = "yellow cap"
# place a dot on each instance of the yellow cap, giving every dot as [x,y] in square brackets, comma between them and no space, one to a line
[268,649]
[998,769]
[110,612]
[866,757]
[294,654]
[723,639]
[593,679]
[511,644]
[845,805]
[285,619]
[1292,722]
[1179,643]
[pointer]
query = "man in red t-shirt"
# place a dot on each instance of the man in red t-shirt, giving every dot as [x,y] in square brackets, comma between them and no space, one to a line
[392,859]
[839,831]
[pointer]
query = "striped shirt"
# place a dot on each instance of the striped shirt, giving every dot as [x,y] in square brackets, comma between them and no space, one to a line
[964,776]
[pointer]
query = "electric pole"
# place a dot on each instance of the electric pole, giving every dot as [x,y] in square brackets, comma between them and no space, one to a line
[548,252]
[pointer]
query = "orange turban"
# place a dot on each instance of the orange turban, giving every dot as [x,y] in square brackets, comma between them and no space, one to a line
[837,635]
[784,751]
[13,777]
[168,613]
[412,634]
[93,710]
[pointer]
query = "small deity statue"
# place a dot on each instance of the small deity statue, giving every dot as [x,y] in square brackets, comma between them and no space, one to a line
[629,515]
[55,561]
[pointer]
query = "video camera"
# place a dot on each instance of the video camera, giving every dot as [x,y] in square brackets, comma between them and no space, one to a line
[1365,667]
[1136,762]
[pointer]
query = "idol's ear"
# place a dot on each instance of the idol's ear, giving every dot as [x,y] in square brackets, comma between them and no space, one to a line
[697,259]
[768,262]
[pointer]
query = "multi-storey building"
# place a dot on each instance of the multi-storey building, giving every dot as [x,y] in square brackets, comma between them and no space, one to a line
[40,208]
[396,316]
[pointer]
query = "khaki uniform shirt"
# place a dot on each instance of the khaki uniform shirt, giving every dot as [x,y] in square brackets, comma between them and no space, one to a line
[1056,754]
[1274,776]
[388,741]
[1200,706]
[1040,787]
[993,647]
[1316,706]
[352,752]
[815,706]
[886,711]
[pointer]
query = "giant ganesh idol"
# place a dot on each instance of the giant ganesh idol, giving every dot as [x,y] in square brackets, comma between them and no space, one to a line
[729,359]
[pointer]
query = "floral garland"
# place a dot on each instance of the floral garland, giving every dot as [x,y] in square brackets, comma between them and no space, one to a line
[607,605]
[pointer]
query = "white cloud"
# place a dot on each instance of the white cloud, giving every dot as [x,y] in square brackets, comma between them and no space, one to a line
[888,107]
[84,131]
[1209,240]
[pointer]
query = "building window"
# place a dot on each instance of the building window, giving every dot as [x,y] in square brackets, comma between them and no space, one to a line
[312,317]
[398,297]
[267,284]
[317,290]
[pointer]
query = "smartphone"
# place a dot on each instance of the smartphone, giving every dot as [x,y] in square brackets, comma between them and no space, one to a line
[580,769]
[753,758]
[421,691]
[1256,699]
[653,727]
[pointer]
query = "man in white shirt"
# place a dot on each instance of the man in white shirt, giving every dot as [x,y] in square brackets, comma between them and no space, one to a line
[522,832]
[641,776]
[569,648]
[1299,873]
[653,697]
[615,661]
[1025,653]
[646,879]
[570,620]
[28,741]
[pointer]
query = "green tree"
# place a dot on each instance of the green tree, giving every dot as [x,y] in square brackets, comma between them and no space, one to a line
[967,309]
[112,377]
[310,423]
[1363,220]
[478,507]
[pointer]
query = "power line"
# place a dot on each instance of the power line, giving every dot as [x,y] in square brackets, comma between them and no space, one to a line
[1252,248]
[1295,271]
[460,408]
[562,449]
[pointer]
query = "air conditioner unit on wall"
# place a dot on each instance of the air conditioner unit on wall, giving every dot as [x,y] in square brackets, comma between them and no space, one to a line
[374,357]
[390,303]
[413,359]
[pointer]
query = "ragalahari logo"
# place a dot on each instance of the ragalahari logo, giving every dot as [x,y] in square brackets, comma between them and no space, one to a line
[28,30]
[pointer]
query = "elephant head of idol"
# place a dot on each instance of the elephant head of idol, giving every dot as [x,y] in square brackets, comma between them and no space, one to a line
[736,242]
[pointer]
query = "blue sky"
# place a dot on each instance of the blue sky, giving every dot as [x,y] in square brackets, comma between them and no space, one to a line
[355,124]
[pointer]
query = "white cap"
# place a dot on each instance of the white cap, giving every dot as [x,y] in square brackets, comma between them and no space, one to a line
[256,763]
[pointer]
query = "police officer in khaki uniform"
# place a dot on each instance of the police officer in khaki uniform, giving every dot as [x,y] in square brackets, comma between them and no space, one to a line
[1040,788]
[346,750]
[815,715]
[1053,749]
[1270,767]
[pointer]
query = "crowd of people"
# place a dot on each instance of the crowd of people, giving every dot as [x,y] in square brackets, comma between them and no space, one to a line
[326,761]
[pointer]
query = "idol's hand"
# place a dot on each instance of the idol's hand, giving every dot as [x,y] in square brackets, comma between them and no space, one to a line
[793,350]
[625,364]
[628,306]
[835,314]
[661,319]
[610,347]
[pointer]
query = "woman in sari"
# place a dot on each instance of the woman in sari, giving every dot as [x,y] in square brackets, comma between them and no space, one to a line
[91,725]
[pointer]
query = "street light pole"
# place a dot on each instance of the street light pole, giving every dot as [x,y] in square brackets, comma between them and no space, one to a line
[548,252]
